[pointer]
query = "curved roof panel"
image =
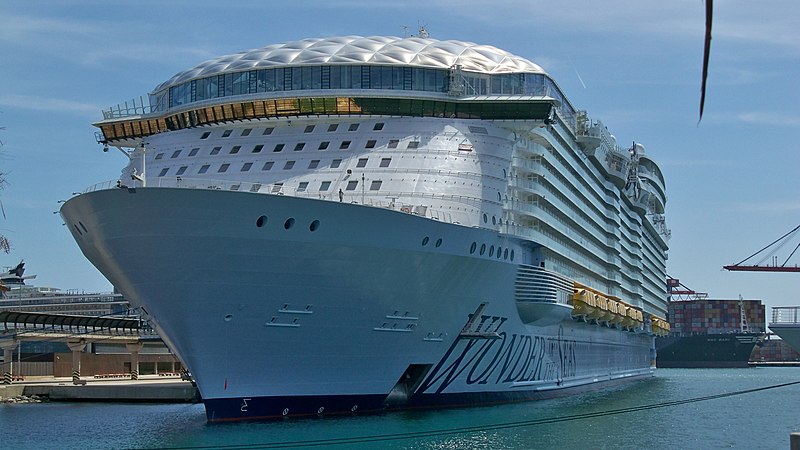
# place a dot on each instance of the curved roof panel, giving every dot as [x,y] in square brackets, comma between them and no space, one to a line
[414,51]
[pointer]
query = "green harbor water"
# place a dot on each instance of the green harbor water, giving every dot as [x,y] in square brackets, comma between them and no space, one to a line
[677,409]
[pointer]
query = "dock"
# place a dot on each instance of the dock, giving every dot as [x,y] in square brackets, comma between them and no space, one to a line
[147,389]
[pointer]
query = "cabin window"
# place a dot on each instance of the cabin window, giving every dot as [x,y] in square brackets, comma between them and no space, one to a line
[362,162]
[194,151]
[235,149]
[160,156]
[288,165]
[205,135]
[385,162]
[246,166]
[309,129]
[371,143]
[204,168]
[223,168]
[246,131]
[299,146]
[258,148]
[268,165]
[335,163]
[325,185]
[227,133]
[313,164]
[323,145]
[353,127]
[413,144]
[175,154]
[163,171]
[351,185]
[181,170]
[393,143]
[375,185]
[278,148]
[215,150]
[378,126]
[268,131]
[302,186]
[333,127]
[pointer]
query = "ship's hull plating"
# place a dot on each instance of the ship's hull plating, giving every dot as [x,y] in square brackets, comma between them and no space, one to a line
[288,306]
[707,350]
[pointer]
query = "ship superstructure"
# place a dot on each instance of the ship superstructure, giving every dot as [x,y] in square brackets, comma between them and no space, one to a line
[356,223]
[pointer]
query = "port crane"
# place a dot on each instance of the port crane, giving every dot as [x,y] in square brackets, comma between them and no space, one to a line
[773,265]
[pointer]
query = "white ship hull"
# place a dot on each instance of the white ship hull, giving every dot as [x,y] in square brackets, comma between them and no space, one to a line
[366,311]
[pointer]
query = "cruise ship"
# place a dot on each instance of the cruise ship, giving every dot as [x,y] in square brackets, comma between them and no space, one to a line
[357,224]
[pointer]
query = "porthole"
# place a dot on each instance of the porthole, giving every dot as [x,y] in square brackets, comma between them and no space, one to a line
[261,221]
[439,242]
[473,247]
[314,225]
[494,220]
[289,223]
[491,251]
[483,249]
[512,255]
[425,241]
[485,218]
[228,317]
[505,254]
[499,252]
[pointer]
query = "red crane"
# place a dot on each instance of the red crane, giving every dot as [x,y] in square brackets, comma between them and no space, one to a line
[773,265]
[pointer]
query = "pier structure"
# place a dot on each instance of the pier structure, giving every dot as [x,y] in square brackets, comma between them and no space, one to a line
[75,331]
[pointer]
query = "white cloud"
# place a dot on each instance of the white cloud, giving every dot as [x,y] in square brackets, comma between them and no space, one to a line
[770,118]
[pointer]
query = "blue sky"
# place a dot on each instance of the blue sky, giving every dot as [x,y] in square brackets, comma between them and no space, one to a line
[732,181]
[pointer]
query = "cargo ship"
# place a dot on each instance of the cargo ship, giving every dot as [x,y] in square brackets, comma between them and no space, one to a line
[359,224]
[708,332]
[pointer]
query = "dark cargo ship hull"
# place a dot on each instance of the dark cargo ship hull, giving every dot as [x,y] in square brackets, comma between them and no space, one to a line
[706,350]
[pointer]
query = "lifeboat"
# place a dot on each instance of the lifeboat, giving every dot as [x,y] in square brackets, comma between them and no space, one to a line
[629,322]
[582,303]
[600,308]
[622,313]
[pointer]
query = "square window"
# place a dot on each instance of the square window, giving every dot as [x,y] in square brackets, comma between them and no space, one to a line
[325,185]
[163,171]
[385,162]
[268,130]
[257,148]
[353,127]
[235,149]
[323,145]
[335,163]
[371,143]
[344,145]
[375,185]
[246,131]
[313,164]
[160,156]
[268,165]
[362,162]
[288,165]
[393,143]
[181,170]
[223,168]
[309,129]
[227,133]
[378,126]
[299,146]
[204,169]
[205,135]
[278,148]
[246,167]
[413,144]
[302,186]
[333,127]
[215,150]
[194,151]
[351,185]
[176,153]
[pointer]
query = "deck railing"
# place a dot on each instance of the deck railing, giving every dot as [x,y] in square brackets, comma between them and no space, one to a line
[786,314]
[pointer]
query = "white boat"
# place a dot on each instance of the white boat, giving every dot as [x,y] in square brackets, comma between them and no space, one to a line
[786,324]
[355,224]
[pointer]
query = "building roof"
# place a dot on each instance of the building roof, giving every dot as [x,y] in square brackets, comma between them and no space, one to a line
[379,50]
